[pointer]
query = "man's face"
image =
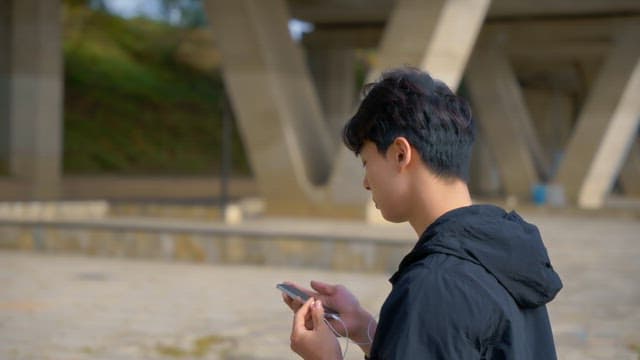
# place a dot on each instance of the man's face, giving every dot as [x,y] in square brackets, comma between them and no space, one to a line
[384,180]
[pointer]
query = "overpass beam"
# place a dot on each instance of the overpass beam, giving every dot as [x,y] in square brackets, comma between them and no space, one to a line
[35,78]
[276,106]
[552,111]
[436,36]
[606,126]
[484,178]
[503,117]
[334,73]
[630,174]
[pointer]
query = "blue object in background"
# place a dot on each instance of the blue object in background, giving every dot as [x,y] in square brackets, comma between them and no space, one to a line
[539,194]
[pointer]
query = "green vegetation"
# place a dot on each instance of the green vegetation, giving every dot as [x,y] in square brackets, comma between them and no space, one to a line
[200,347]
[88,350]
[136,104]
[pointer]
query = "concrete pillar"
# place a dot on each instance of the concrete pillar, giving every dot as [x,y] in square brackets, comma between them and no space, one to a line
[275,103]
[35,109]
[454,38]
[407,35]
[552,112]
[606,127]
[334,74]
[502,117]
[5,69]
[630,174]
[331,56]
[436,36]
[484,178]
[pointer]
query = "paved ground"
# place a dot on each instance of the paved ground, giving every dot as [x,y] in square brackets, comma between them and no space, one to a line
[69,307]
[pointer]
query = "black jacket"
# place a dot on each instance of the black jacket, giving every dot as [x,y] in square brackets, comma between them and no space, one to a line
[474,287]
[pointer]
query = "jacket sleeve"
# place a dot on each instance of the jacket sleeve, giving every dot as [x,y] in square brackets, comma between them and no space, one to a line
[437,316]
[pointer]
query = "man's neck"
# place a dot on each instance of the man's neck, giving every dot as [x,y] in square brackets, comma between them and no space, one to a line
[435,199]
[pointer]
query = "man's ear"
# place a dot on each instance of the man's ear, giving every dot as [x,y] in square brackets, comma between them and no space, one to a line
[402,151]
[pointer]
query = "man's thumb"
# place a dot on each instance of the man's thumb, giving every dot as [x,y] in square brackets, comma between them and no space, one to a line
[317,313]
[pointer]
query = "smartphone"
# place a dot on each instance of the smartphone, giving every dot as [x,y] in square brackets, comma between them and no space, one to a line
[295,293]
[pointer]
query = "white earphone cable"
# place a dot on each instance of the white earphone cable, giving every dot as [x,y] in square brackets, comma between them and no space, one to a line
[346,334]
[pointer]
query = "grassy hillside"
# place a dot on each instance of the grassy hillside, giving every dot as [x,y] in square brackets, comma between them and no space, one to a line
[136,102]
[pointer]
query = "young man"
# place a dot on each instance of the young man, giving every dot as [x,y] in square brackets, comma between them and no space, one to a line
[476,283]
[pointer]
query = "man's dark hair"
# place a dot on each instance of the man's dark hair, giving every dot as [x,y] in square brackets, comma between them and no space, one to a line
[408,102]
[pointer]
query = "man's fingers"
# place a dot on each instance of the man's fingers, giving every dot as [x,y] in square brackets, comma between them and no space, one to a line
[300,316]
[294,303]
[291,302]
[322,288]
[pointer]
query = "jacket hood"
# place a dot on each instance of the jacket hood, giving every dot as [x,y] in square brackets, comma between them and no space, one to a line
[504,244]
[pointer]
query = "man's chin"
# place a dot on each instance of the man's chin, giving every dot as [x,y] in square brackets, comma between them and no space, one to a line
[392,218]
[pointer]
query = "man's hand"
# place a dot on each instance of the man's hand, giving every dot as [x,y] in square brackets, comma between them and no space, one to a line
[360,325]
[317,342]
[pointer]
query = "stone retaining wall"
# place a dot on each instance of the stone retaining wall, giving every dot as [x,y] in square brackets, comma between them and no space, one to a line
[50,210]
[99,209]
[214,244]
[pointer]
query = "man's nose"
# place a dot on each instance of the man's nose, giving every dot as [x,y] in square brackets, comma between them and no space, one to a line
[365,183]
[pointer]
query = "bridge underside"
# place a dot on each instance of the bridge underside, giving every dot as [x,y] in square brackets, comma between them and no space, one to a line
[553,84]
